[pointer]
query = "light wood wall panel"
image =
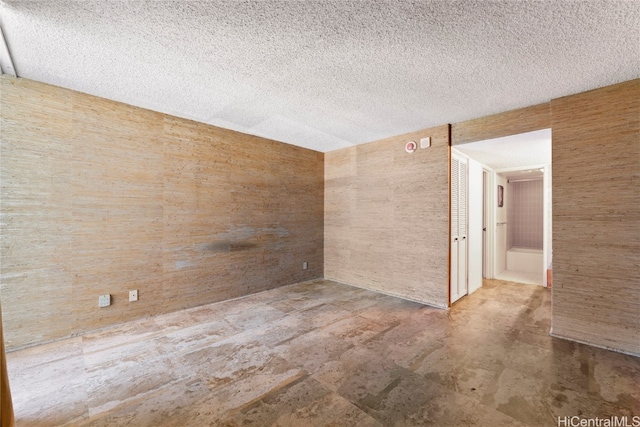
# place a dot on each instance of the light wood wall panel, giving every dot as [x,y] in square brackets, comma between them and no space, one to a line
[508,123]
[36,203]
[101,197]
[596,217]
[387,217]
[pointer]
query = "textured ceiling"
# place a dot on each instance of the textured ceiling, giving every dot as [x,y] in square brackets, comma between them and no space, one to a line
[520,151]
[325,74]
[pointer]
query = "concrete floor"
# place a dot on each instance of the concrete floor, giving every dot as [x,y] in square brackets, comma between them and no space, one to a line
[325,354]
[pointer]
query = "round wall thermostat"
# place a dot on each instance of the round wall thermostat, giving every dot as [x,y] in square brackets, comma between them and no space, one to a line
[410,146]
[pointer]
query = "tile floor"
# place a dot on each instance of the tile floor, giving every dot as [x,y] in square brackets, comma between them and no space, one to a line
[326,354]
[521,277]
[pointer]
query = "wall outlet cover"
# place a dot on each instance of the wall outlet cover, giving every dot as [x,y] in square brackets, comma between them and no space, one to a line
[133,295]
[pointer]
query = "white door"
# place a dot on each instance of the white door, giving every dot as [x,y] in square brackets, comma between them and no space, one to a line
[455,213]
[474,226]
[459,185]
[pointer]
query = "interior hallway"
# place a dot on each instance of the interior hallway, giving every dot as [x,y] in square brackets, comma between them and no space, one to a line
[323,353]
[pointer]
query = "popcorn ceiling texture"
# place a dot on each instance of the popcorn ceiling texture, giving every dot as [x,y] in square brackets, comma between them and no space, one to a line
[325,74]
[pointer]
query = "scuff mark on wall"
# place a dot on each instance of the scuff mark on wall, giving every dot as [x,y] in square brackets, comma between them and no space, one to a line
[245,238]
[182,264]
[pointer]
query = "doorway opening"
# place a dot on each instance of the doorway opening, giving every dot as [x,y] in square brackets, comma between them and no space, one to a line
[509,209]
[521,226]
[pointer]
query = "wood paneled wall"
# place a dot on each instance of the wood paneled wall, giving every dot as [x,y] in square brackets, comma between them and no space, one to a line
[596,208]
[596,217]
[387,217]
[508,123]
[100,197]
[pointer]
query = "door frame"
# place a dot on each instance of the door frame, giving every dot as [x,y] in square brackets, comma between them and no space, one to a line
[546,206]
[489,222]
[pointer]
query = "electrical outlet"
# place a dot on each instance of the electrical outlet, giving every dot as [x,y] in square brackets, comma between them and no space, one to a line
[104,300]
[133,295]
[305,265]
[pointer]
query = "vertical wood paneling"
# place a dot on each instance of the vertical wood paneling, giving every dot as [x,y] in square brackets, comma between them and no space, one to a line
[100,197]
[596,216]
[116,175]
[386,217]
[36,231]
[197,165]
[508,123]
[340,211]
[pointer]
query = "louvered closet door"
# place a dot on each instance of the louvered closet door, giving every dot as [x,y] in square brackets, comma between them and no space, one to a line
[455,212]
[462,229]
[459,185]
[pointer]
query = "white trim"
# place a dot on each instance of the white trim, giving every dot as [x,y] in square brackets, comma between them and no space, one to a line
[459,153]
[490,198]
[6,63]
[546,241]
[520,168]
